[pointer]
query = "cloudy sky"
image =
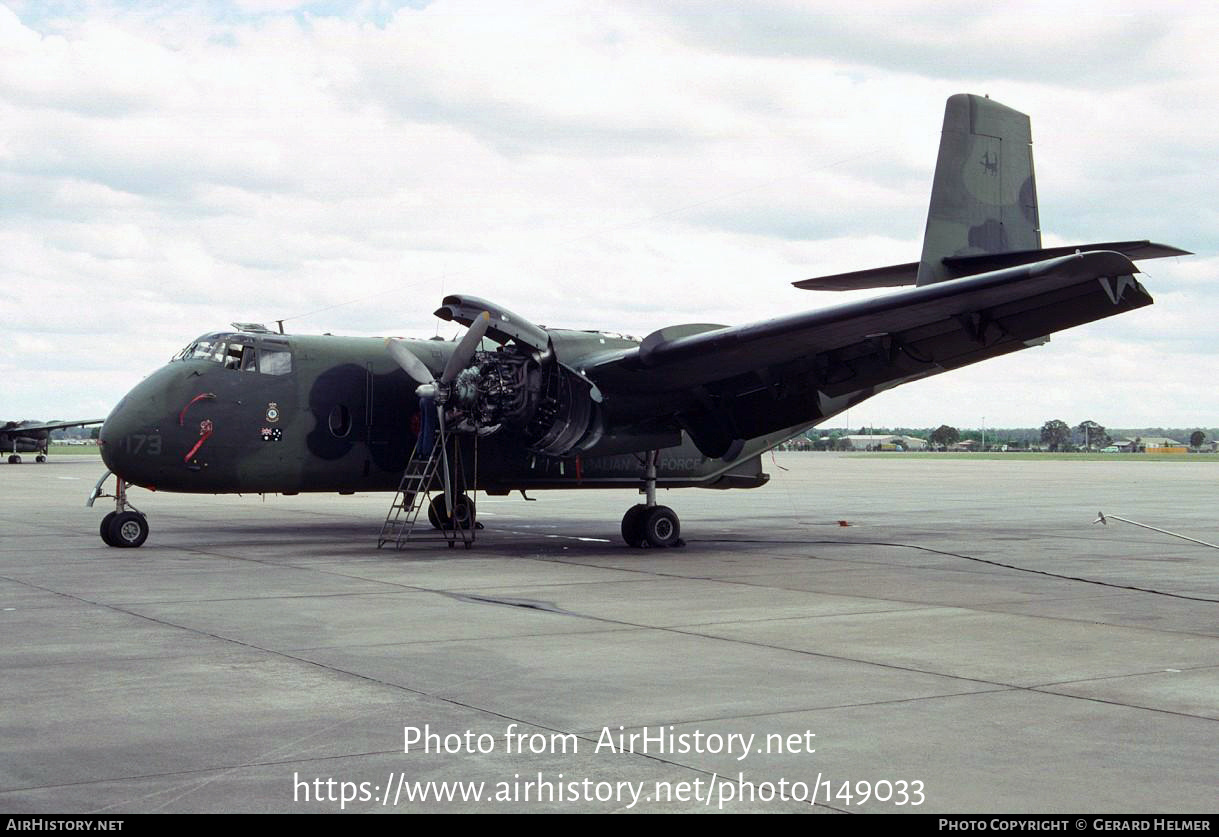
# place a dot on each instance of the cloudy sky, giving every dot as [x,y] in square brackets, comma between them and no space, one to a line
[169,167]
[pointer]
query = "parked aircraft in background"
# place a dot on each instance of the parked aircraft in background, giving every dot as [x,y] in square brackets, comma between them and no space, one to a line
[18,437]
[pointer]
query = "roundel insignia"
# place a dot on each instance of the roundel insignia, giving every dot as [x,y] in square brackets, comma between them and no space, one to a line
[272,412]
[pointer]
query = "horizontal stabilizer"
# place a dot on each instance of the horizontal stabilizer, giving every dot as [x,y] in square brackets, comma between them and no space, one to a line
[877,277]
[961,266]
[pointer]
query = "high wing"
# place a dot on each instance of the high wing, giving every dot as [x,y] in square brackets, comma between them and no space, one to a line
[738,383]
[17,427]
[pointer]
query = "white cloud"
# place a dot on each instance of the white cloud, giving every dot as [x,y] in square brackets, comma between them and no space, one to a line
[168,169]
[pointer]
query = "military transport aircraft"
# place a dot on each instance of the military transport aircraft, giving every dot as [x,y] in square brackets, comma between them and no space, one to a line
[252,411]
[18,437]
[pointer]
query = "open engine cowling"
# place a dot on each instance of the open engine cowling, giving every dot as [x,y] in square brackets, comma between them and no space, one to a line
[551,405]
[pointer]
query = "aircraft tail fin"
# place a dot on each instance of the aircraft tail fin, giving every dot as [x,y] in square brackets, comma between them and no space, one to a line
[984,196]
[983,214]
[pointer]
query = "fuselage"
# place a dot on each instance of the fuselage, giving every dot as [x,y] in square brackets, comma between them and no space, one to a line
[240,412]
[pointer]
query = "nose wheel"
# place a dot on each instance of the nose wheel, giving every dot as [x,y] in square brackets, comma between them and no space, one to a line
[648,524]
[126,527]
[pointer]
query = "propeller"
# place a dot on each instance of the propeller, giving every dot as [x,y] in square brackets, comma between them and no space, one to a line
[430,387]
[464,352]
[409,361]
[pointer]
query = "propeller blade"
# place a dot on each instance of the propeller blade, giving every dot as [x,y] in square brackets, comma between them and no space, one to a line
[465,349]
[409,361]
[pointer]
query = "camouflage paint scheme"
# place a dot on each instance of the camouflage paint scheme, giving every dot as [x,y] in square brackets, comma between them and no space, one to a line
[710,398]
[150,432]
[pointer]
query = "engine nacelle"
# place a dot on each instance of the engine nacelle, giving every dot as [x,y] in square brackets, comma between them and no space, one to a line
[553,406]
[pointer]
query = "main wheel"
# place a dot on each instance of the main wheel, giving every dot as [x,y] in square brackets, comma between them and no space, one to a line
[128,529]
[14,459]
[104,529]
[661,526]
[40,458]
[632,526]
[463,512]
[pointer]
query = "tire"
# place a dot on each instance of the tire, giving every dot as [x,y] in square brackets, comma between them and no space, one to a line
[128,530]
[104,529]
[40,458]
[439,516]
[661,527]
[632,526]
[14,459]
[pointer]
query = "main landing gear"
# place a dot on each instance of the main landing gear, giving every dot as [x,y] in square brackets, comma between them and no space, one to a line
[648,524]
[125,527]
[14,458]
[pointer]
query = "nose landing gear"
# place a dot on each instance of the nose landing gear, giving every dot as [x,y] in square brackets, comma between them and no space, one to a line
[126,526]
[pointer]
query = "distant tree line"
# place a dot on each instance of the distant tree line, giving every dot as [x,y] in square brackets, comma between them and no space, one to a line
[1054,435]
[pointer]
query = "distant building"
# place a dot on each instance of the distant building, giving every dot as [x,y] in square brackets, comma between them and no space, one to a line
[888,441]
[1150,444]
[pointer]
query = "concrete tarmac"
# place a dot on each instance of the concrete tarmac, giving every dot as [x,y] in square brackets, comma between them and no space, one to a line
[969,643]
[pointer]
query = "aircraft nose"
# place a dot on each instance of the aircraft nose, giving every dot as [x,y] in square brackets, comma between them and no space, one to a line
[131,441]
[120,429]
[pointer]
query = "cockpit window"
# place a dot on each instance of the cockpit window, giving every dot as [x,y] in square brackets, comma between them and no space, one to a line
[199,349]
[274,361]
[240,352]
[233,355]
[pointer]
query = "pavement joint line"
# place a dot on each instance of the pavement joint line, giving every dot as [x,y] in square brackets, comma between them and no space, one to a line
[1109,677]
[606,620]
[1157,710]
[829,707]
[1148,565]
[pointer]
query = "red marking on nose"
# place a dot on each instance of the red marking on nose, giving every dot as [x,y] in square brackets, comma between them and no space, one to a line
[200,397]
